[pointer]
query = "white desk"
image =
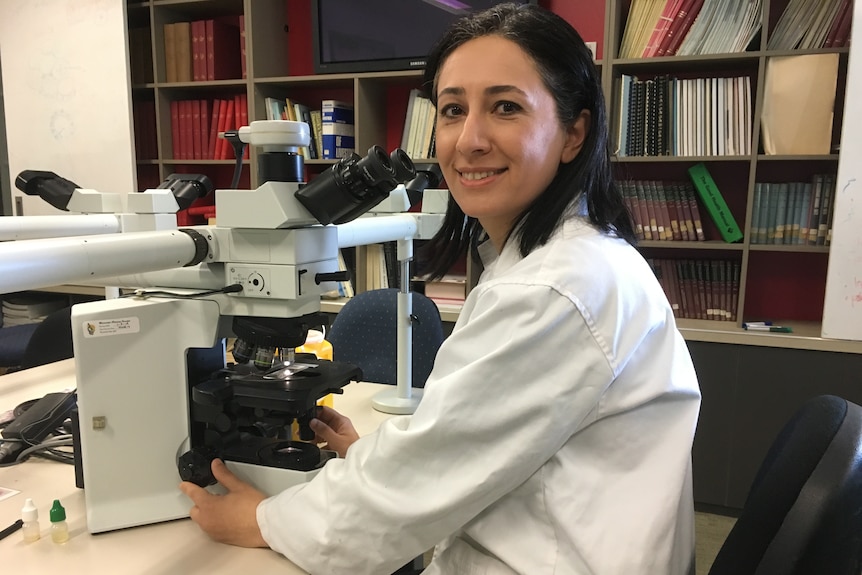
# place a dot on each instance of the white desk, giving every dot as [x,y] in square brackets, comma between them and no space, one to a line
[175,547]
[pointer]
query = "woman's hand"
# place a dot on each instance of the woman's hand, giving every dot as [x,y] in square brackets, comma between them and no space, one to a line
[333,429]
[229,518]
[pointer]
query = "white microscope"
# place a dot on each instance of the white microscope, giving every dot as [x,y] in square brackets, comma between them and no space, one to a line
[154,394]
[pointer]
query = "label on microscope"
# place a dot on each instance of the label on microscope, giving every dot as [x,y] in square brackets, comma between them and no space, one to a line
[114,326]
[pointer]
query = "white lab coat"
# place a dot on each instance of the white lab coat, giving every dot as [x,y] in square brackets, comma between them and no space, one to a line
[554,435]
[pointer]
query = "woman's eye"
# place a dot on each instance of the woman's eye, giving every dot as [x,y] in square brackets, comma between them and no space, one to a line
[451,110]
[507,107]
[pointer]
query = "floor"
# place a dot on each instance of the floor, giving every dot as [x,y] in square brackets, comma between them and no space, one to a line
[710,532]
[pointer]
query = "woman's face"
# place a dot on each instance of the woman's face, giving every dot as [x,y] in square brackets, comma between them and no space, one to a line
[498,138]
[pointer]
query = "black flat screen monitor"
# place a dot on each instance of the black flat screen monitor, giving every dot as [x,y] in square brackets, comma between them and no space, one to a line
[377,35]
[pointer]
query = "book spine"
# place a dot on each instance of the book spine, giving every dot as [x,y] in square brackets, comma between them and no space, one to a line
[183,38]
[715,204]
[196,130]
[243,60]
[780,213]
[666,194]
[684,26]
[673,28]
[756,209]
[697,223]
[170,53]
[337,129]
[199,51]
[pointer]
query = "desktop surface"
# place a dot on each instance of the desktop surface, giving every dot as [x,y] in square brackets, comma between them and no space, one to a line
[165,548]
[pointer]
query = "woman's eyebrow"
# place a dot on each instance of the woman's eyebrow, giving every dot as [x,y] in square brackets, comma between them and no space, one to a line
[490,90]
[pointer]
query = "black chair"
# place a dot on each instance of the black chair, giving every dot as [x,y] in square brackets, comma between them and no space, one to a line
[365,333]
[13,343]
[803,515]
[51,341]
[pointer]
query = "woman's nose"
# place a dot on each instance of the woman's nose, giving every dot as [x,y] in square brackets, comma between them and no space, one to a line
[474,136]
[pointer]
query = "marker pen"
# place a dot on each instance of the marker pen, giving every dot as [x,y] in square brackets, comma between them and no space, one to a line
[770,328]
[747,324]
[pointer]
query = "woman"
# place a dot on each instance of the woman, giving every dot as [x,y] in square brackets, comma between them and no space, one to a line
[555,430]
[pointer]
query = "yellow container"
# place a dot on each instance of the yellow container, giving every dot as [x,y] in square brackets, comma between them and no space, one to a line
[316,343]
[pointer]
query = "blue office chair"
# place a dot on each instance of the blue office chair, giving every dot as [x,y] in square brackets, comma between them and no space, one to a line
[803,515]
[51,341]
[13,343]
[364,333]
[34,344]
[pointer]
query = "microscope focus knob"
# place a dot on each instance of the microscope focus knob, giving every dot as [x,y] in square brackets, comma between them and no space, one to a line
[195,466]
[339,276]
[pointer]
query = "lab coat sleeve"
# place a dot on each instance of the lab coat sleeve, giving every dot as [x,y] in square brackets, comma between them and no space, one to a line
[509,387]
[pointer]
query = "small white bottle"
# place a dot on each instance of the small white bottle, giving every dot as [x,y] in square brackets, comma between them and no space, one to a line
[59,529]
[30,517]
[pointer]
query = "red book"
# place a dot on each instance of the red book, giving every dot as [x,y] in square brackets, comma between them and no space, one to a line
[205,129]
[223,51]
[671,8]
[232,124]
[186,146]
[644,211]
[224,123]
[662,211]
[669,272]
[243,61]
[836,23]
[686,221]
[842,36]
[196,129]
[244,119]
[175,130]
[214,124]
[679,27]
[199,51]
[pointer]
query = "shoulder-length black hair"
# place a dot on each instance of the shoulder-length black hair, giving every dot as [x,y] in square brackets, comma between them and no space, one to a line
[566,66]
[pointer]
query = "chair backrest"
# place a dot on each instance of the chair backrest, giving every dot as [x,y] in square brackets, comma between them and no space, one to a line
[13,343]
[365,333]
[51,341]
[803,515]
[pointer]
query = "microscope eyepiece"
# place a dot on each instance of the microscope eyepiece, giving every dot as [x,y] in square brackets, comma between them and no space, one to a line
[355,185]
[402,164]
[52,188]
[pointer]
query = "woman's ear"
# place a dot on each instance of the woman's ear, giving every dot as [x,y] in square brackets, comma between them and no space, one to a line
[576,133]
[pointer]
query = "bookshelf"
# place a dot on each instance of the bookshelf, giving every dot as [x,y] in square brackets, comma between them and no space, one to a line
[782,282]
[785,283]
[751,382]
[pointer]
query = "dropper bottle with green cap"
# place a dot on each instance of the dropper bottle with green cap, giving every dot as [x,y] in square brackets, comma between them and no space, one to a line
[59,529]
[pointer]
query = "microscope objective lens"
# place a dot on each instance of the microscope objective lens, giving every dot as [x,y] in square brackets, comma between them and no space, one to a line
[263,357]
[242,351]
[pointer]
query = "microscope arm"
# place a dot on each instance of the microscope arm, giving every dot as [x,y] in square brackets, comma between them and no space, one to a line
[364,231]
[34,264]
[35,227]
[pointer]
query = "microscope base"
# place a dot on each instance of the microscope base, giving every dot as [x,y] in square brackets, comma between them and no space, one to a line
[389,401]
[269,480]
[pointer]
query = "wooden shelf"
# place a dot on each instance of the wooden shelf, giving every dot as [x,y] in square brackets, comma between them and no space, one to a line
[806,335]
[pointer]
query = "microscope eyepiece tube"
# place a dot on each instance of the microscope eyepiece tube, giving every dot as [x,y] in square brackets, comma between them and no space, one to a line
[280,167]
[355,185]
[34,264]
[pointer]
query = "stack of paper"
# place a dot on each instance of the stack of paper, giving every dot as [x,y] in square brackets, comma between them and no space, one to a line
[29,307]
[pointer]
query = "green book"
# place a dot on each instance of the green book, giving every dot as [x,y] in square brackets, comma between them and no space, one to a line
[715,204]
